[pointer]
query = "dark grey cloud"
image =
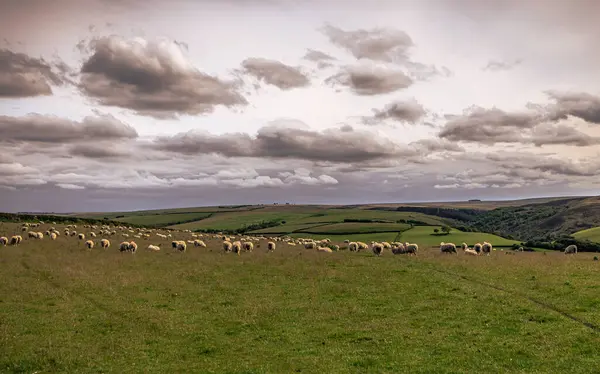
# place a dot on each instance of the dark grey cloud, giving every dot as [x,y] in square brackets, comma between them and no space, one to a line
[335,145]
[371,80]
[275,73]
[577,104]
[52,129]
[488,126]
[25,76]
[96,151]
[538,125]
[494,65]
[152,78]
[407,111]
[378,44]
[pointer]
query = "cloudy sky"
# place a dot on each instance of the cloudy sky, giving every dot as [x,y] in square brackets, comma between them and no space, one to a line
[129,104]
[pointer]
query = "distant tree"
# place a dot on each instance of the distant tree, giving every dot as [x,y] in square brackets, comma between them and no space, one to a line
[436,230]
[446,229]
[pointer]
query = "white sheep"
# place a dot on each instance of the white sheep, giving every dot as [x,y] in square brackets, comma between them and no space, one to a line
[469,251]
[377,249]
[104,243]
[477,248]
[324,249]
[398,249]
[92,234]
[362,245]
[353,247]
[124,246]
[53,235]
[81,236]
[248,246]
[310,245]
[89,244]
[571,249]
[227,246]
[3,240]
[133,246]
[153,247]
[236,247]
[199,243]
[486,248]
[271,246]
[181,246]
[447,247]
[411,248]
[16,239]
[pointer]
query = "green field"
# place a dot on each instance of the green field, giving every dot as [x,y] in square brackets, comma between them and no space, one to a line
[64,309]
[356,228]
[367,238]
[162,219]
[592,234]
[424,236]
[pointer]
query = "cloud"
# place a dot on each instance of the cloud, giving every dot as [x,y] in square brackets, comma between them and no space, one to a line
[95,151]
[52,129]
[378,44]
[153,78]
[275,73]
[303,176]
[537,126]
[25,76]
[334,145]
[367,80]
[322,59]
[406,111]
[68,186]
[577,104]
[494,65]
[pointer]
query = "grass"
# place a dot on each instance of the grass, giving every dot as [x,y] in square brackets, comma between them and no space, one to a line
[424,235]
[367,238]
[69,310]
[356,228]
[592,234]
[163,219]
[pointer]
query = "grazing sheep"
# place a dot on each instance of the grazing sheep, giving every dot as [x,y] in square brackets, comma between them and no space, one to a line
[181,246]
[153,247]
[3,240]
[477,248]
[362,245]
[398,249]
[53,235]
[104,243]
[133,246]
[469,251]
[40,235]
[199,243]
[248,246]
[271,246]
[377,249]
[324,249]
[571,249]
[386,245]
[486,248]
[236,247]
[447,247]
[353,247]
[411,248]
[124,247]
[310,245]
[73,233]
[81,236]
[14,240]
[89,244]
[174,244]
[227,246]
[335,247]
[32,234]
[92,234]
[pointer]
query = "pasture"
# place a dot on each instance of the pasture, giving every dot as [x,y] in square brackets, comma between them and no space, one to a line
[66,309]
[592,234]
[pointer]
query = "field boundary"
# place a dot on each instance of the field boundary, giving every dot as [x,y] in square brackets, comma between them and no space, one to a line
[591,326]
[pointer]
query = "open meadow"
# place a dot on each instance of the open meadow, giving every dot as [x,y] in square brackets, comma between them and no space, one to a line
[65,308]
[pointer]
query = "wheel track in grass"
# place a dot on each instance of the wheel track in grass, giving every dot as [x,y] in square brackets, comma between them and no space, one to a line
[590,325]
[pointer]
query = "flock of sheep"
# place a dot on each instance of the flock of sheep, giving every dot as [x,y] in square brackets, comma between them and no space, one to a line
[232,244]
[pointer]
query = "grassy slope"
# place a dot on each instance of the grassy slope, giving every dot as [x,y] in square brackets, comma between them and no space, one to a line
[531,221]
[162,219]
[592,234]
[356,227]
[424,235]
[70,310]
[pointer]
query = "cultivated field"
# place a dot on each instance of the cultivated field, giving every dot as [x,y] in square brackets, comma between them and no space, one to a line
[66,309]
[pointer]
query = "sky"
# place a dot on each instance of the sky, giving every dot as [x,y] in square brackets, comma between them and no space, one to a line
[115,105]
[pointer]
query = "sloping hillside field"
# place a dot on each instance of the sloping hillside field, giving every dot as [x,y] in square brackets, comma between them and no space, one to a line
[67,309]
